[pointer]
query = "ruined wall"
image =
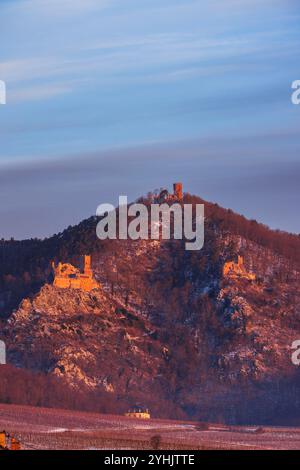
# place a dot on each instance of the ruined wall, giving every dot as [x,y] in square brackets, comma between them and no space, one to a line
[66,276]
[237,269]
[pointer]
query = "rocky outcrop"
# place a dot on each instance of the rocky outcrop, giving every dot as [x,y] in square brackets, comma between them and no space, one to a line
[88,340]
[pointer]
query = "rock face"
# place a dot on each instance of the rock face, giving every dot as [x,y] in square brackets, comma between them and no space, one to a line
[87,339]
[168,330]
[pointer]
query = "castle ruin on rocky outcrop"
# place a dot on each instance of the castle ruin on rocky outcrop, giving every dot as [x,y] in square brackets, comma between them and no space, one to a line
[237,269]
[67,276]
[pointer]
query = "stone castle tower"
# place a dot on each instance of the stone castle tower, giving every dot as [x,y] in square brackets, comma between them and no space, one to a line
[165,196]
[67,276]
[178,192]
[87,269]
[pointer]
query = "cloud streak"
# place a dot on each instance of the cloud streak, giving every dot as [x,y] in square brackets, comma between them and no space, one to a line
[90,179]
[154,57]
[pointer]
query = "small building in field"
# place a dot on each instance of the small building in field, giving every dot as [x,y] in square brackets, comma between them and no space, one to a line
[9,442]
[139,413]
[2,439]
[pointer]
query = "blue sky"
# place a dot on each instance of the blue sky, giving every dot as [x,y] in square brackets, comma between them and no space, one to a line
[109,97]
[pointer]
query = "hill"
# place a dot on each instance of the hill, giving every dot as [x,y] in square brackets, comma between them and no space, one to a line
[166,329]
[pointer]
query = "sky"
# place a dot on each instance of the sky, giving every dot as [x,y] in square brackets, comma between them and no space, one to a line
[110,97]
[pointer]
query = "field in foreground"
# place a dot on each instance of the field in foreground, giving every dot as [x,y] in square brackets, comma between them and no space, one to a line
[41,428]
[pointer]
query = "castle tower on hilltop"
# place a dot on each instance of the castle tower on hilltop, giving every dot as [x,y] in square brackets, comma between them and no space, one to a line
[178,193]
[87,265]
[67,276]
[165,196]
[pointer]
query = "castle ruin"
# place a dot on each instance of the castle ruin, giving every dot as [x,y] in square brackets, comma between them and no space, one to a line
[67,276]
[177,195]
[237,269]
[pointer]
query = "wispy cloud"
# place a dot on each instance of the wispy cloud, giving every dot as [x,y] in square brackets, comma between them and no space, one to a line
[62,7]
[36,93]
[89,179]
[182,53]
